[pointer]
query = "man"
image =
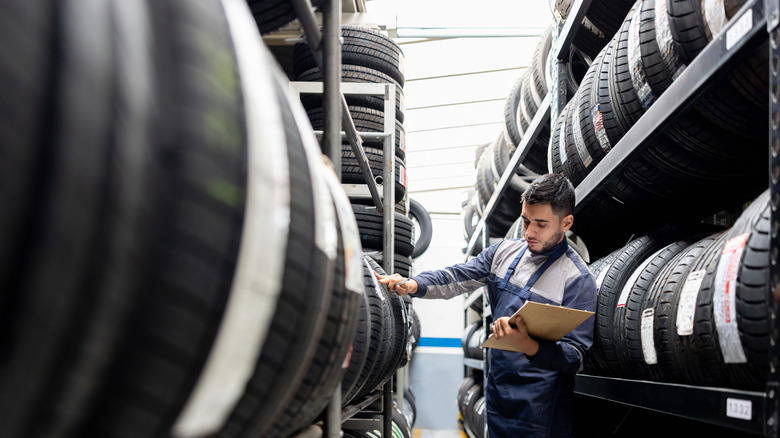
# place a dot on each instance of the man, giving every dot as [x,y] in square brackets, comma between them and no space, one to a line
[529,394]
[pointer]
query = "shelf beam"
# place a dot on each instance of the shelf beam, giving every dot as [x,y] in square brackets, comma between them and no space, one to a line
[732,408]
[721,53]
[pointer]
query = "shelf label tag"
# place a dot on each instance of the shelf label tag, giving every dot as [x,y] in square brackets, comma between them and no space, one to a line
[739,29]
[738,408]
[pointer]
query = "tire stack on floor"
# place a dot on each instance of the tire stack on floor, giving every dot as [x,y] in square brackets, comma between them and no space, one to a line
[471,404]
[177,258]
[688,306]
[473,337]
[711,153]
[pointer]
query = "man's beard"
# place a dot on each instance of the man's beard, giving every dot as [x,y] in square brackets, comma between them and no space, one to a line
[550,244]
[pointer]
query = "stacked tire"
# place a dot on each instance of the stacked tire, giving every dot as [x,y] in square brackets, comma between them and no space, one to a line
[272,15]
[703,157]
[180,257]
[473,337]
[471,403]
[382,344]
[693,309]
[368,56]
[601,22]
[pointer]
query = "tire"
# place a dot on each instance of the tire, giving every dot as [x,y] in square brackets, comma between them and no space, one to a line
[611,303]
[397,356]
[351,382]
[402,264]
[371,225]
[539,74]
[608,130]
[661,298]
[585,137]
[698,353]
[608,15]
[356,73]
[30,87]
[271,15]
[743,335]
[599,268]
[301,312]
[589,38]
[326,370]
[416,329]
[468,333]
[527,106]
[687,27]
[382,343]
[351,172]
[65,242]
[362,46]
[558,153]
[365,120]
[424,232]
[511,104]
[629,340]
[576,151]
[626,104]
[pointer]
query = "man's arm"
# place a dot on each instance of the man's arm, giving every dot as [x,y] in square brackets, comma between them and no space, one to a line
[445,283]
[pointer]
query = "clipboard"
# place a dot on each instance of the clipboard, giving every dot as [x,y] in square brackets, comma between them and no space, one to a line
[544,322]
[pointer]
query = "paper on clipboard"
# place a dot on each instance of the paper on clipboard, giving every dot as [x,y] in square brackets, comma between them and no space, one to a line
[544,322]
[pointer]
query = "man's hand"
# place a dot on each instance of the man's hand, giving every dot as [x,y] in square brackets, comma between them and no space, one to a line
[400,285]
[517,336]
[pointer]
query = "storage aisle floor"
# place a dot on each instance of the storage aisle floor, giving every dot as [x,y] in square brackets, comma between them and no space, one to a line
[439,433]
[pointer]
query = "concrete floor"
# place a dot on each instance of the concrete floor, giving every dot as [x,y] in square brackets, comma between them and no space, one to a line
[439,433]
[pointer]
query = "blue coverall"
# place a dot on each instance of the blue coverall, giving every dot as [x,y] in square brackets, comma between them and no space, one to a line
[526,396]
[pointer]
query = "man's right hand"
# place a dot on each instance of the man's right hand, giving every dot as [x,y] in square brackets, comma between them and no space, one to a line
[398,284]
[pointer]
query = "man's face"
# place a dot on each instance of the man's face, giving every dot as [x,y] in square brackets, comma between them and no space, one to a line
[543,228]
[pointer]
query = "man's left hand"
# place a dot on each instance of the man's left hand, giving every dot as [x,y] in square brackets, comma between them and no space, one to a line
[517,336]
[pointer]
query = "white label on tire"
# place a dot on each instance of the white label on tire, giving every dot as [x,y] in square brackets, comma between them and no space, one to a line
[724,299]
[715,16]
[579,142]
[562,140]
[377,284]
[635,67]
[739,29]
[350,235]
[686,309]
[598,125]
[670,51]
[739,408]
[258,275]
[549,155]
[646,333]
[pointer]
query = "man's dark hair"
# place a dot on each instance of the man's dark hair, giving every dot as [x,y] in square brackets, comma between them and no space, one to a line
[553,189]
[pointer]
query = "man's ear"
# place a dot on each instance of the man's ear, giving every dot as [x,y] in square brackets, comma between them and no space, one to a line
[568,221]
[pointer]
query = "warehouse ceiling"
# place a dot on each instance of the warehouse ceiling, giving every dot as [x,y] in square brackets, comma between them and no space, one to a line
[462,59]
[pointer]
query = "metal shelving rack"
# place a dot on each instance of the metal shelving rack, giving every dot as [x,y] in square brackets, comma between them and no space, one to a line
[325,45]
[757,20]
